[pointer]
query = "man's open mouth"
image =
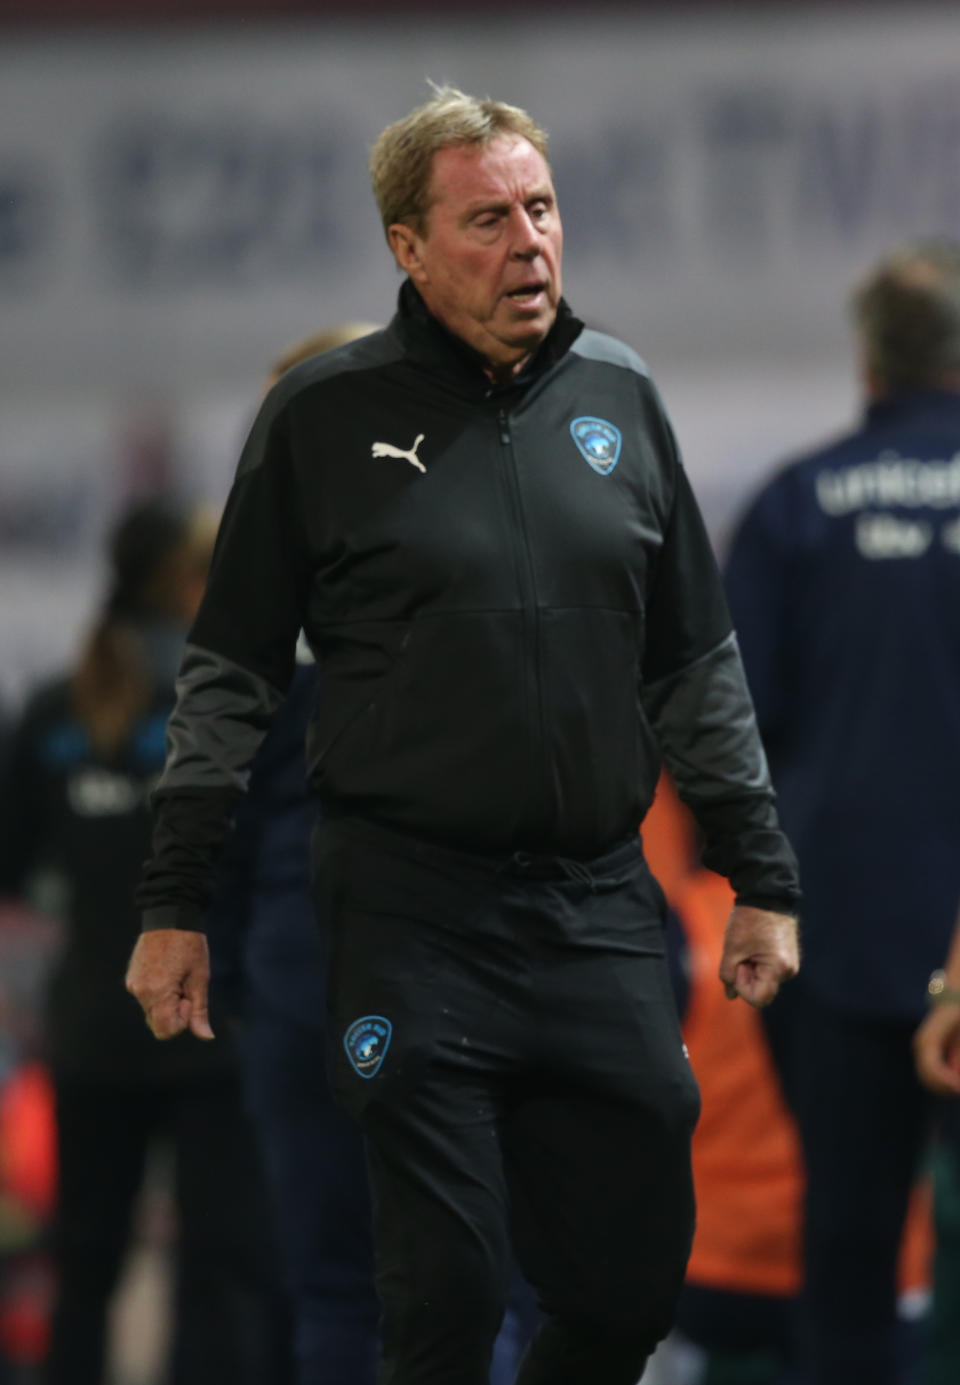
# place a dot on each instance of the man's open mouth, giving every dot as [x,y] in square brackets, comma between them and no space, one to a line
[527,293]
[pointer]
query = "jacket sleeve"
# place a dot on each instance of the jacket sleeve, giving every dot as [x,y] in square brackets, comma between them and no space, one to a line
[236,667]
[696,699]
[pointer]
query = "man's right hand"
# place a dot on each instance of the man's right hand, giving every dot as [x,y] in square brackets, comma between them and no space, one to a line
[169,973]
[936,1046]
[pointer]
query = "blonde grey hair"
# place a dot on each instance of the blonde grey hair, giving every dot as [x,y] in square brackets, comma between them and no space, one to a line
[908,313]
[401,160]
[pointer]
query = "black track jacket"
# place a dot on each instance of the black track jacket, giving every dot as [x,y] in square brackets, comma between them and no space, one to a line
[512,601]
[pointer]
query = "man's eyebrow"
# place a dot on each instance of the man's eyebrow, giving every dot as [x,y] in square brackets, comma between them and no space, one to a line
[478,208]
[502,206]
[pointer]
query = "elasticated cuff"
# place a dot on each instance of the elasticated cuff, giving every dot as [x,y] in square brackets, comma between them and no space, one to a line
[187,917]
[778,904]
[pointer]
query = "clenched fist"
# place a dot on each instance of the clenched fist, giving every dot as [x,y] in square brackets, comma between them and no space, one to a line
[761,949]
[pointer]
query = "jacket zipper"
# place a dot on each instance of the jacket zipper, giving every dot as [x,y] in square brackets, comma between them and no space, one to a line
[531,610]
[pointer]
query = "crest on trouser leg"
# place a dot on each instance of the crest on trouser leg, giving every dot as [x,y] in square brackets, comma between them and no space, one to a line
[366,1043]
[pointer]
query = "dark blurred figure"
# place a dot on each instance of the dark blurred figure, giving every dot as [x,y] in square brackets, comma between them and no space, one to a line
[734,1318]
[74,829]
[313,1152]
[843,582]
[937,1046]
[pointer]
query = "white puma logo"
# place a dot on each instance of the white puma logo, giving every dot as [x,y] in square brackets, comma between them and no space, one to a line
[387,449]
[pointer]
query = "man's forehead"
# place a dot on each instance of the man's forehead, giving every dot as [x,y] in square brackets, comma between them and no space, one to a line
[508,166]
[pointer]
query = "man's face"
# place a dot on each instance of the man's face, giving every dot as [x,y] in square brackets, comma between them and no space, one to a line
[488,264]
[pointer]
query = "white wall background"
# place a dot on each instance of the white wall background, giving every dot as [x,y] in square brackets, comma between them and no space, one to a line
[177,206]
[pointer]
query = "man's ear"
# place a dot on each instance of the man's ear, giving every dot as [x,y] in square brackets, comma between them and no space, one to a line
[406,247]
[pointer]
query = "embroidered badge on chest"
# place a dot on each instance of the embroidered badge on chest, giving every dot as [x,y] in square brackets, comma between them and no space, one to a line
[599,443]
[366,1043]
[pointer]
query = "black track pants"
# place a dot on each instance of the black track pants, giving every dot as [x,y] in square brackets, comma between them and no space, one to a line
[506,1035]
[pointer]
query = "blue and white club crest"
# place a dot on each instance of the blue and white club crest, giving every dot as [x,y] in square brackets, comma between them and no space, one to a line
[598,441]
[366,1043]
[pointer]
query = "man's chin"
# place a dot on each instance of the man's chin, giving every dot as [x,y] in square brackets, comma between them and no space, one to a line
[524,337]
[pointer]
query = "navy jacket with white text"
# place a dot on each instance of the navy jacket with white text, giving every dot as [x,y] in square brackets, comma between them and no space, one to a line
[844,585]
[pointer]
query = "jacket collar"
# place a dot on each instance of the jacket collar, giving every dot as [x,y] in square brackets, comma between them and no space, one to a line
[930,401]
[445,354]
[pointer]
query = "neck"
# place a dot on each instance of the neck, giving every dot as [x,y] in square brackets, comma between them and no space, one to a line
[501,373]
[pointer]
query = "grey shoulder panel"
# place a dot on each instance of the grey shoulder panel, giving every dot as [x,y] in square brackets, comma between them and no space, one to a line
[597,346]
[703,718]
[221,716]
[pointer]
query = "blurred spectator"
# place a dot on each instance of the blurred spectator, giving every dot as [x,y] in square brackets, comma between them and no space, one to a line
[738,1306]
[313,1153]
[843,582]
[744,1270]
[74,829]
[27,1145]
[937,1046]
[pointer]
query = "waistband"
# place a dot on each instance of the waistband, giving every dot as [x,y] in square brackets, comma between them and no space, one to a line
[523,865]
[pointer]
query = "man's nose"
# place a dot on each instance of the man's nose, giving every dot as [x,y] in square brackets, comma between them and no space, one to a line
[526,237]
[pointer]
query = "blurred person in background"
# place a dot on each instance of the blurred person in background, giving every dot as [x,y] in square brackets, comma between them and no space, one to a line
[736,1319]
[479,517]
[843,581]
[74,829]
[263,921]
[937,1048]
[734,1322]
[313,1152]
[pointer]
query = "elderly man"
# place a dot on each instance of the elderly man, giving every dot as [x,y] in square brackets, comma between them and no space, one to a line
[480,520]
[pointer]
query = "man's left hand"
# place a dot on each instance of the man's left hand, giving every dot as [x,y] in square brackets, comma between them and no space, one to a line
[761,949]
